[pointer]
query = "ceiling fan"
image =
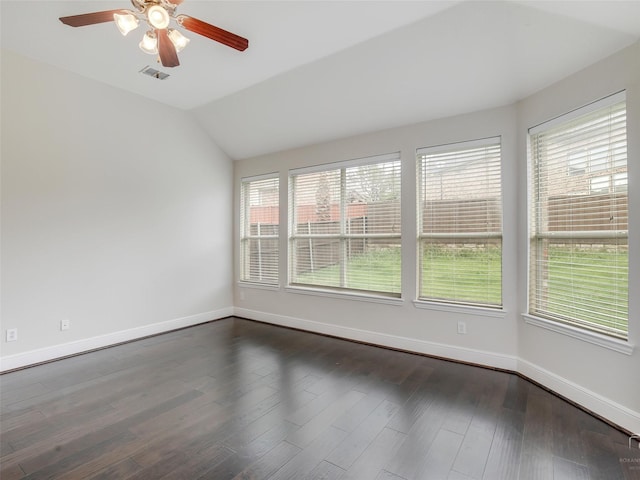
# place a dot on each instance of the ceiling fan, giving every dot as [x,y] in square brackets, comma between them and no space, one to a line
[161,40]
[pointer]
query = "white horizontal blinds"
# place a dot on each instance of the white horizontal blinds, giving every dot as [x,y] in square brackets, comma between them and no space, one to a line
[579,220]
[346,226]
[460,219]
[315,240]
[259,217]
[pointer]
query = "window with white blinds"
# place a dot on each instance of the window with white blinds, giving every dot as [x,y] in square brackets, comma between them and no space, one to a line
[259,223]
[345,226]
[460,223]
[578,221]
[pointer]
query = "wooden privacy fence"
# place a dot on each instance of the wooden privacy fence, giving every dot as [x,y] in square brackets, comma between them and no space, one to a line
[462,216]
[312,254]
[565,213]
[263,253]
[570,213]
[376,218]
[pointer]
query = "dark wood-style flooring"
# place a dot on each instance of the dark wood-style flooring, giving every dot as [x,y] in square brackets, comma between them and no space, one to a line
[236,399]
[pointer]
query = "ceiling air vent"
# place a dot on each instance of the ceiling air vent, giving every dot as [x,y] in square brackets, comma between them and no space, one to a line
[152,72]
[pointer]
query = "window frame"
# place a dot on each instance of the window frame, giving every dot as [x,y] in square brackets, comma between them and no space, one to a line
[343,236]
[582,329]
[244,267]
[453,304]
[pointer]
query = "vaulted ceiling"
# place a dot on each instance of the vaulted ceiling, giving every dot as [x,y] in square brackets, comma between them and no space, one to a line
[317,71]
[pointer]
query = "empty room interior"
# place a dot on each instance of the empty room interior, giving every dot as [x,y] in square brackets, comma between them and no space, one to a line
[368,240]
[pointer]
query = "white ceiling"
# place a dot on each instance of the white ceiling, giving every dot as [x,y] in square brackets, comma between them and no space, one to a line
[316,71]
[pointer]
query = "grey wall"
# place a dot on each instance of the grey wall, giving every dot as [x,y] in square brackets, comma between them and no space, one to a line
[114,213]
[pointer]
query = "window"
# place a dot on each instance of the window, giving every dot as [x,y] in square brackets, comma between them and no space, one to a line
[578,263]
[259,223]
[460,223]
[345,226]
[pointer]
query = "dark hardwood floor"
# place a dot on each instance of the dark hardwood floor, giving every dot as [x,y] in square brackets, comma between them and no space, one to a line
[236,399]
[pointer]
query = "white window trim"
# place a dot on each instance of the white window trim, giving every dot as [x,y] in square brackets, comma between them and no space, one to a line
[463,145]
[391,299]
[357,162]
[247,283]
[588,336]
[258,286]
[579,112]
[452,306]
[264,176]
[347,294]
[584,334]
[497,312]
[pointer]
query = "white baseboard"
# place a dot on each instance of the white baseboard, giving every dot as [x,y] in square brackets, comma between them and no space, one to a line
[480,357]
[599,405]
[46,354]
[594,402]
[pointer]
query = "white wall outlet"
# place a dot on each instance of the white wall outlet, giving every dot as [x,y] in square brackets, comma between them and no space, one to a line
[12,334]
[241,294]
[462,328]
[65,324]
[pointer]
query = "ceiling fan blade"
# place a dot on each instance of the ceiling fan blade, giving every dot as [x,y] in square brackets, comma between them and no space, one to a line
[176,2]
[214,33]
[166,49]
[90,18]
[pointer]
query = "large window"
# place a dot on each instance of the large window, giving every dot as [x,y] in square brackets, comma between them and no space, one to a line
[345,226]
[578,221]
[460,223]
[259,222]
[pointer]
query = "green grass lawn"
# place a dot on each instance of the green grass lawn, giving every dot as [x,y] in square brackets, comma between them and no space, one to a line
[376,271]
[463,274]
[585,284]
[581,283]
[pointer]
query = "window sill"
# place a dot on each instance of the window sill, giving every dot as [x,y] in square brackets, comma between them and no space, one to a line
[580,334]
[259,286]
[361,297]
[466,309]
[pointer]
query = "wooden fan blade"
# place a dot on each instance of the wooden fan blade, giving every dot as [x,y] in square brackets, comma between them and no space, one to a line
[214,33]
[176,2]
[166,49]
[90,18]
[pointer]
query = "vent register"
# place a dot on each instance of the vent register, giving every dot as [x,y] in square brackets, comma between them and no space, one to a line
[152,72]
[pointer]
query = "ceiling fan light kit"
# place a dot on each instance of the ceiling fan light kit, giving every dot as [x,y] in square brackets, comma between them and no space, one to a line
[160,40]
[179,40]
[126,22]
[149,43]
[158,17]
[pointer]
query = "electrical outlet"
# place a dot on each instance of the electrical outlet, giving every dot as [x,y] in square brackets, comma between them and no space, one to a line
[462,328]
[12,334]
[242,295]
[65,324]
